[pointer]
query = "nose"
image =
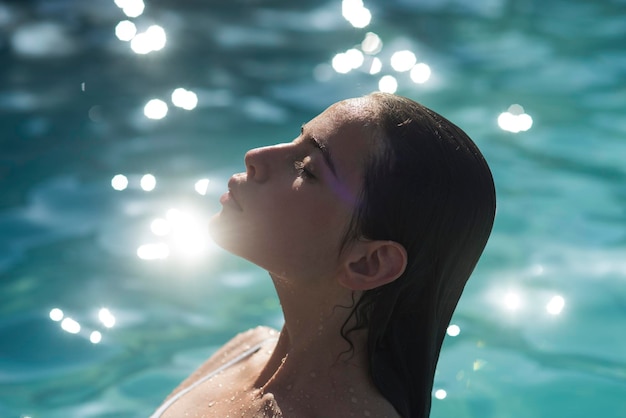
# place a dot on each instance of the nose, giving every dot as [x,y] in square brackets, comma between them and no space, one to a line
[256,162]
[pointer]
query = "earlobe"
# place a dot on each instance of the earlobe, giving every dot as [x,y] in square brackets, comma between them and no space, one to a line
[372,264]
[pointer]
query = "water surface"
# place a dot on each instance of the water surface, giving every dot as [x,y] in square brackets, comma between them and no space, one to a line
[539,326]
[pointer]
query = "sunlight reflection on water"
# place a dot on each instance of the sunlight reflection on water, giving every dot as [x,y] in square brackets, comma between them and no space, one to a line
[555,265]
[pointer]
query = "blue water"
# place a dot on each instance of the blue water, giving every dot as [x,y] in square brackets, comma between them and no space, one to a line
[541,324]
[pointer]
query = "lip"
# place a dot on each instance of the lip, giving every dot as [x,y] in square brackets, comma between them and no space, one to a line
[228,198]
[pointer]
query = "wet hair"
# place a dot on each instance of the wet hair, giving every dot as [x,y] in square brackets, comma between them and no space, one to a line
[429,189]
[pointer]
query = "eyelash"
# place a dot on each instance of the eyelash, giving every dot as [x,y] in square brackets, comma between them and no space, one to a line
[303,171]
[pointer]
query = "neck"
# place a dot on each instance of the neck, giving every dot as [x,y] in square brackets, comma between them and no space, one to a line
[311,351]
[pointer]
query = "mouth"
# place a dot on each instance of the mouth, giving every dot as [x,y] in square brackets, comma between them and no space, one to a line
[228,198]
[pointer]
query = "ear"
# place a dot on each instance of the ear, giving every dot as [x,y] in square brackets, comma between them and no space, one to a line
[370,264]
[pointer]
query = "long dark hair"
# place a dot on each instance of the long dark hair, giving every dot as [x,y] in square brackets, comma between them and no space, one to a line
[429,189]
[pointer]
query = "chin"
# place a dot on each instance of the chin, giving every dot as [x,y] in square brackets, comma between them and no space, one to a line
[220,233]
[240,244]
[234,239]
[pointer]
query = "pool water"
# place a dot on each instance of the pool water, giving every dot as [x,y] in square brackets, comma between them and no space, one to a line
[110,290]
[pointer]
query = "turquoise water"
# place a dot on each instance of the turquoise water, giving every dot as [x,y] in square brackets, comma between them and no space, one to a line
[540,326]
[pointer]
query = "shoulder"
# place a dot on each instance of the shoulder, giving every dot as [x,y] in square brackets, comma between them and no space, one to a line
[237,345]
[240,343]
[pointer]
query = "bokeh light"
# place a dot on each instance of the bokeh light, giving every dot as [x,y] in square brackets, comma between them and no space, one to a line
[95,337]
[355,57]
[402,61]
[341,64]
[515,119]
[344,62]
[106,317]
[56,314]
[119,182]
[158,251]
[157,37]
[148,182]
[420,73]
[355,13]
[184,99]
[131,8]
[125,30]
[376,66]
[202,186]
[371,44]
[155,109]
[153,39]
[556,305]
[453,330]
[441,394]
[388,84]
[140,44]
[70,325]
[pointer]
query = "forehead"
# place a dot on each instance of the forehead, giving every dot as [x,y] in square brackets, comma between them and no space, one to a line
[346,123]
[345,129]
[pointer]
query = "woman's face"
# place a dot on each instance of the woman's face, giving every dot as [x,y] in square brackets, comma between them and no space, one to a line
[289,211]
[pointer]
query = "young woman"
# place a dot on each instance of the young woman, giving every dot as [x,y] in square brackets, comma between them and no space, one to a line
[369,223]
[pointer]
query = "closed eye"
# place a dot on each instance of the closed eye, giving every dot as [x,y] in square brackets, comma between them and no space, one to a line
[303,171]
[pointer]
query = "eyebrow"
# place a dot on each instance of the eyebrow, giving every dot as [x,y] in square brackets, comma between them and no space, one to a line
[324,150]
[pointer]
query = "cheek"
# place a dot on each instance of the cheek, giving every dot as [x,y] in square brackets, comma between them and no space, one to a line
[346,196]
[319,214]
[321,221]
[286,229]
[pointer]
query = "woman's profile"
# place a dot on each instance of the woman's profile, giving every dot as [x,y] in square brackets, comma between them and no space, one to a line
[369,223]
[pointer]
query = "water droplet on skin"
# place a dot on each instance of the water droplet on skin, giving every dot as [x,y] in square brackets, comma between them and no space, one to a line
[211,404]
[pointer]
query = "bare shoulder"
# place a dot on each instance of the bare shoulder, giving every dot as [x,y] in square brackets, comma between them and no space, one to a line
[237,345]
